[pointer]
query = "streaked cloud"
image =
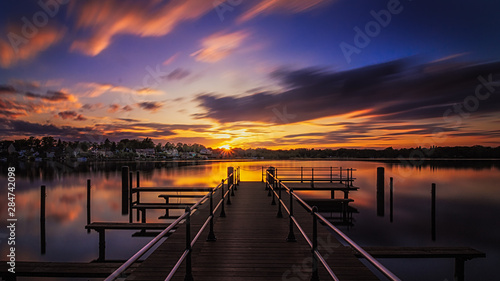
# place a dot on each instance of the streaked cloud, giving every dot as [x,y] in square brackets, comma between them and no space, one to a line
[71,115]
[52,96]
[220,45]
[106,19]
[177,74]
[273,6]
[152,106]
[24,49]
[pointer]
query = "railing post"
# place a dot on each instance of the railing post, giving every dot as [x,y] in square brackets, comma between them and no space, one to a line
[433,211]
[340,174]
[222,211]
[230,181]
[211,234]
[331,174]
[274,195]
[88,204]
[262,173]
[351,178]
[312,177]
[315,276]
[189,269]
[137,194]
[291,235]
[280,214]
[301,174]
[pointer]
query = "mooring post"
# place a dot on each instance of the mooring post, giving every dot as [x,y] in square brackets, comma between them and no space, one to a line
[130,213]
[222,211]
[138,194]
[211,234]
[280,214]
[262,173]
[391,198]
[43,242]
[315,276]
[273,193]
[88,204]
[125,190]
[380,191]
[433,212]
[231,176]
[189,269]
[291,235]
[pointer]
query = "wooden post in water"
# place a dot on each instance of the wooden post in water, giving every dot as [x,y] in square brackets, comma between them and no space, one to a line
[130,213]
[433,212]
[88,204]
[391,198]
[43,241]
[125,190]
[340,174]
[380,191]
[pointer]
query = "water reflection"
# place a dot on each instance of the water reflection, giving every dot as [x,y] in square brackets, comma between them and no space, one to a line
[467,204]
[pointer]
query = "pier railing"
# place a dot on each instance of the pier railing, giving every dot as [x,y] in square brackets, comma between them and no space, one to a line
[231,181]
[275,185]
[313,174]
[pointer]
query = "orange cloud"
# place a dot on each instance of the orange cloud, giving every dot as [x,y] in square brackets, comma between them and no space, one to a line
[269,6]
[19,48]
[219,45]
[105,19]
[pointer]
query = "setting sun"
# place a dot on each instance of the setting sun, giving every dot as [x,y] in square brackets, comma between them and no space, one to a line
[225,147]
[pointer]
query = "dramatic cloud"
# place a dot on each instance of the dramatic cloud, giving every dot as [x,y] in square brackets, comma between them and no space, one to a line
[19,48]
[272,6]
[113,108]
[7,89]
[390,91]
[106,19]
[177,74]
[52,96]
[152,106]
[71,115]
[220,45]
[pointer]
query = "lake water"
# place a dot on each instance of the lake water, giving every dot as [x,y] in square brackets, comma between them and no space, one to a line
[467,208]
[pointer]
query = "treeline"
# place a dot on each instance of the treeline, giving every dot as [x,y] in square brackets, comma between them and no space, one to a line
[48,144]
[434,152]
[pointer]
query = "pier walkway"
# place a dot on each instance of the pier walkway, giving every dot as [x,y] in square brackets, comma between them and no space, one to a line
[252,245]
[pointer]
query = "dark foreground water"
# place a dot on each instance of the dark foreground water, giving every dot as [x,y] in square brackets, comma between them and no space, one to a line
[467,209]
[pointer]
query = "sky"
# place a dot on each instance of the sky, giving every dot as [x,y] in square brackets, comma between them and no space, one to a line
[279,74]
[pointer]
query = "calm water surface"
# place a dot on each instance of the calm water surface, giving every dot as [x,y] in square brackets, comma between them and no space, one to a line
[467,211]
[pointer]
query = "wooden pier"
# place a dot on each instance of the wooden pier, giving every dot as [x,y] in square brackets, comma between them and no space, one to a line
[244,231]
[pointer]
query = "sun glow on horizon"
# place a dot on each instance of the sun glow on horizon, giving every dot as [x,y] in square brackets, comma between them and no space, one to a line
[225,147]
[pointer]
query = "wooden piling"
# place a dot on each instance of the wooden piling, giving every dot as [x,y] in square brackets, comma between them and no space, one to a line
[43,240]
[380,191]
[433,212]
[89,220]
[125,190]
[391,198]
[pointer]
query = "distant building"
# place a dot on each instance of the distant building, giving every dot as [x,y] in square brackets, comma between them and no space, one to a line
[11,149]
[145,152]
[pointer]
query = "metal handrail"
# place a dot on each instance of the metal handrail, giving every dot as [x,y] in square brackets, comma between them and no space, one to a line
[308,208]
[119,271]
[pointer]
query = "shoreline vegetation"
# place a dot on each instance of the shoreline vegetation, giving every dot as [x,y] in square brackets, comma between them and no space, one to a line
[48,148]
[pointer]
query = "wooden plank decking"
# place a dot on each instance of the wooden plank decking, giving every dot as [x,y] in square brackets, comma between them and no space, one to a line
[251,245]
